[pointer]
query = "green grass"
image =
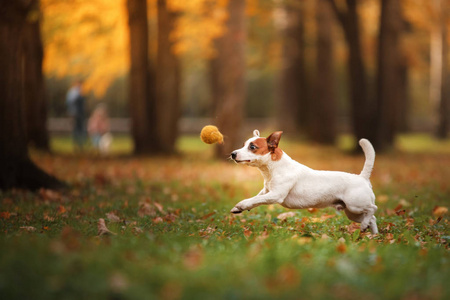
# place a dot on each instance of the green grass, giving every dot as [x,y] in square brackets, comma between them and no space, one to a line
[186,245]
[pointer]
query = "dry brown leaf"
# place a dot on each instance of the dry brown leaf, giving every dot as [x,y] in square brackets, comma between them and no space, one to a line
[159,207]
[137,230]
[353,227]
[170,218]
[284,216]
[247,232]
[5,215]
[440,211]
[112,217]
[264,235]
[28,228]
[61,209]
[102,229]
[389,236]
[157,220]
[146,210]
[208,215]
[49,195]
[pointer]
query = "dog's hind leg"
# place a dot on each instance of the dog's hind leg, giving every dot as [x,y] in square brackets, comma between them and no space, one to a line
[373,225]
[367,218]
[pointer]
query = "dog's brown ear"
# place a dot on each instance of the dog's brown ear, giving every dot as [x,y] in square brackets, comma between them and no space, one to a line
[273,140]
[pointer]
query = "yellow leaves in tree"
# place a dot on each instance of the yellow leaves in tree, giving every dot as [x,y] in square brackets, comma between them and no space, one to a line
[87,39]
[200,23]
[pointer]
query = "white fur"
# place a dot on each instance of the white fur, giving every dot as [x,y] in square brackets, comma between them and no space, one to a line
[293,185]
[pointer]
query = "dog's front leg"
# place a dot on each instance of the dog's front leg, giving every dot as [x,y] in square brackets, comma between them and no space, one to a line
[268,198]
[263,191]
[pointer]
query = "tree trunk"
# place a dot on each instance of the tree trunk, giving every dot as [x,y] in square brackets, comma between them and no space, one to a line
[444,103]
[16,169]
[168,81]
[228,72]
[363,109]
[323,129]
[389,74]
[293,105]
[34,85]
[141,99]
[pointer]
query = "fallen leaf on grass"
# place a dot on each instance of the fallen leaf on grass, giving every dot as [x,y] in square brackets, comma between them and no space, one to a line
[247,232]
[137,230]
[286,215]
[102,229]
[61,210]
[206,232]
[28,228]
[170,218]
[208,215]
[48,218]
[353,227]
[400,212]
[146,209]
[49,195]
[5,215]
[157,220]
[112,217]
[264,235]
[440,211]
[159,207]
[322,218]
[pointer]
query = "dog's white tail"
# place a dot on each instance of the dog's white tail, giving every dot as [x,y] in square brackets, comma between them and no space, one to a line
[369,152]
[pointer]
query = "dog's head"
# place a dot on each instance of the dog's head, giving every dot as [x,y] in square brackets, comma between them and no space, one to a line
[258,150]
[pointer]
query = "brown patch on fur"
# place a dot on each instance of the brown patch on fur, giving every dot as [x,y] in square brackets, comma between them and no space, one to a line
[262,147]
[276,155]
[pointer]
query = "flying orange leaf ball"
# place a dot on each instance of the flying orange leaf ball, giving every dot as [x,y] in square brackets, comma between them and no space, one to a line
[210,134]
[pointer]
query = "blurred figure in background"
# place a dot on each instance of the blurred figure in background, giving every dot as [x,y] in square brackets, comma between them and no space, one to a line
[75,102]
[98,128]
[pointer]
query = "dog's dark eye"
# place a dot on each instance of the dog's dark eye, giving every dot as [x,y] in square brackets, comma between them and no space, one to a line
[252,147]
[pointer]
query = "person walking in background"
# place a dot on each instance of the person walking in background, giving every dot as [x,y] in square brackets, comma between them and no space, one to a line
[75,102]
[98,128]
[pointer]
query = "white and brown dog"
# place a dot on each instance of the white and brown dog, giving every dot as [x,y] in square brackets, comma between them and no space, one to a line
[294,185]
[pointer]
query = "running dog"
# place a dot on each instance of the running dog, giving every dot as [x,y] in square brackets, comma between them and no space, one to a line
[293,185]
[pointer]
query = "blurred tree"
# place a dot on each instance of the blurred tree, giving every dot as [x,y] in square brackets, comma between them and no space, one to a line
[439,67]
[168,80]
[34,85]
[293,110]
[389,80]
[16,168]
[323,123]
[363,108]
[228,78]
[141,94]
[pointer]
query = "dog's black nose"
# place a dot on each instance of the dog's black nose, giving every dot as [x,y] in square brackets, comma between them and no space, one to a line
[233,155]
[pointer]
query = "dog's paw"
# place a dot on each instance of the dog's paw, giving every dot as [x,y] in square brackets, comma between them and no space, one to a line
[236,210]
